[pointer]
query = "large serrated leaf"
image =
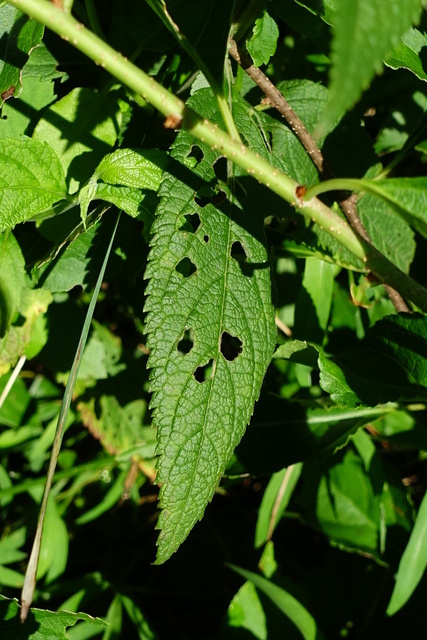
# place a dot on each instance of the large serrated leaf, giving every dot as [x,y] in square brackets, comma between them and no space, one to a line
[31,180]
[211,328]
[365,31]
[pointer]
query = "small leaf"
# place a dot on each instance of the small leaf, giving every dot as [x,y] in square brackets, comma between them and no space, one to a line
[19,35]
[389,364]
[365,31]
[412,564]
[31,180]
[263,42]
[138,168]
[406,55]
[285,602]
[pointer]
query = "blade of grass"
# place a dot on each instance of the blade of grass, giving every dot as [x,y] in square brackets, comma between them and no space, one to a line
[11,381]
[31,573]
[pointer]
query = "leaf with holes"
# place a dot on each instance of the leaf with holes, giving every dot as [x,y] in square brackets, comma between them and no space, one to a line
[210,324]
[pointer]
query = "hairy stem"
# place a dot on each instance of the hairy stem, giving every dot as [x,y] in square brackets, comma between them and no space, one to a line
[169,105]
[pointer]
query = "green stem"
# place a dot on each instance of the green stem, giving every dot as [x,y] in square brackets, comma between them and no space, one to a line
[169,105]
[336,184]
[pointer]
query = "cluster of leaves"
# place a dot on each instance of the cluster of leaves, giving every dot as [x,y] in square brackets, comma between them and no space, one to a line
[206,263]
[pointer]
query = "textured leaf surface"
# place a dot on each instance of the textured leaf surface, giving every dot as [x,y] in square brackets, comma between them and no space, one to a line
[31,180]
[388,365]
[18,36]
[365,31]
[413,562]
[139,168]
[211,328]
[40,624]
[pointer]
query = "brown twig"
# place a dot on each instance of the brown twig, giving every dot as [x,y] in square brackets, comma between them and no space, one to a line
[276,99]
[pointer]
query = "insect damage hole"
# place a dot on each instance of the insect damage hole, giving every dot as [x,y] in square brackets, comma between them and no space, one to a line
[186,267]
[238,252]
[191,223]
[208,196]
[220,169]
[231,346]
[194,157]
[204,372]
[186,343]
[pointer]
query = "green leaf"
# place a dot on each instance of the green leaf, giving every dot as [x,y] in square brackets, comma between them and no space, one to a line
[54,546]
[365,32]
[340,501]
[274,502]
[40,624]
[389,364]
[12,279]
[407,196]
[406,55]
[313,305]
[413,563]
[285,602]
[246,612]
[19,35]
[139,620]
[31,180]
[378,218]
[210,325]
[263,42]
[29,336]
[138,168]
[81,128]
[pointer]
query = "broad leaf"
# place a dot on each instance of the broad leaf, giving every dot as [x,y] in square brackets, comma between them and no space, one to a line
[389,364]
[211,328]
[31,180]
[12,279]
[40,624]
[19,35]
[413,563]
[365,31]
[81,128]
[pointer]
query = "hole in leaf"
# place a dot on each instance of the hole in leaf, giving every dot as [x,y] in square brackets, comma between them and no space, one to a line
[220,168]
[191,224]
[186,343]
[208,196]
[197,154]
[204,372]
[237,252]
[231,346]
[206,239]
[186,267]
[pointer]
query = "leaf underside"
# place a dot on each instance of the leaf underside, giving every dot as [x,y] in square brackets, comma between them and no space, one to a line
[210,325]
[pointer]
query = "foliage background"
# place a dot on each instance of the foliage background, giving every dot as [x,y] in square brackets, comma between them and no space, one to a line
[337,441]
